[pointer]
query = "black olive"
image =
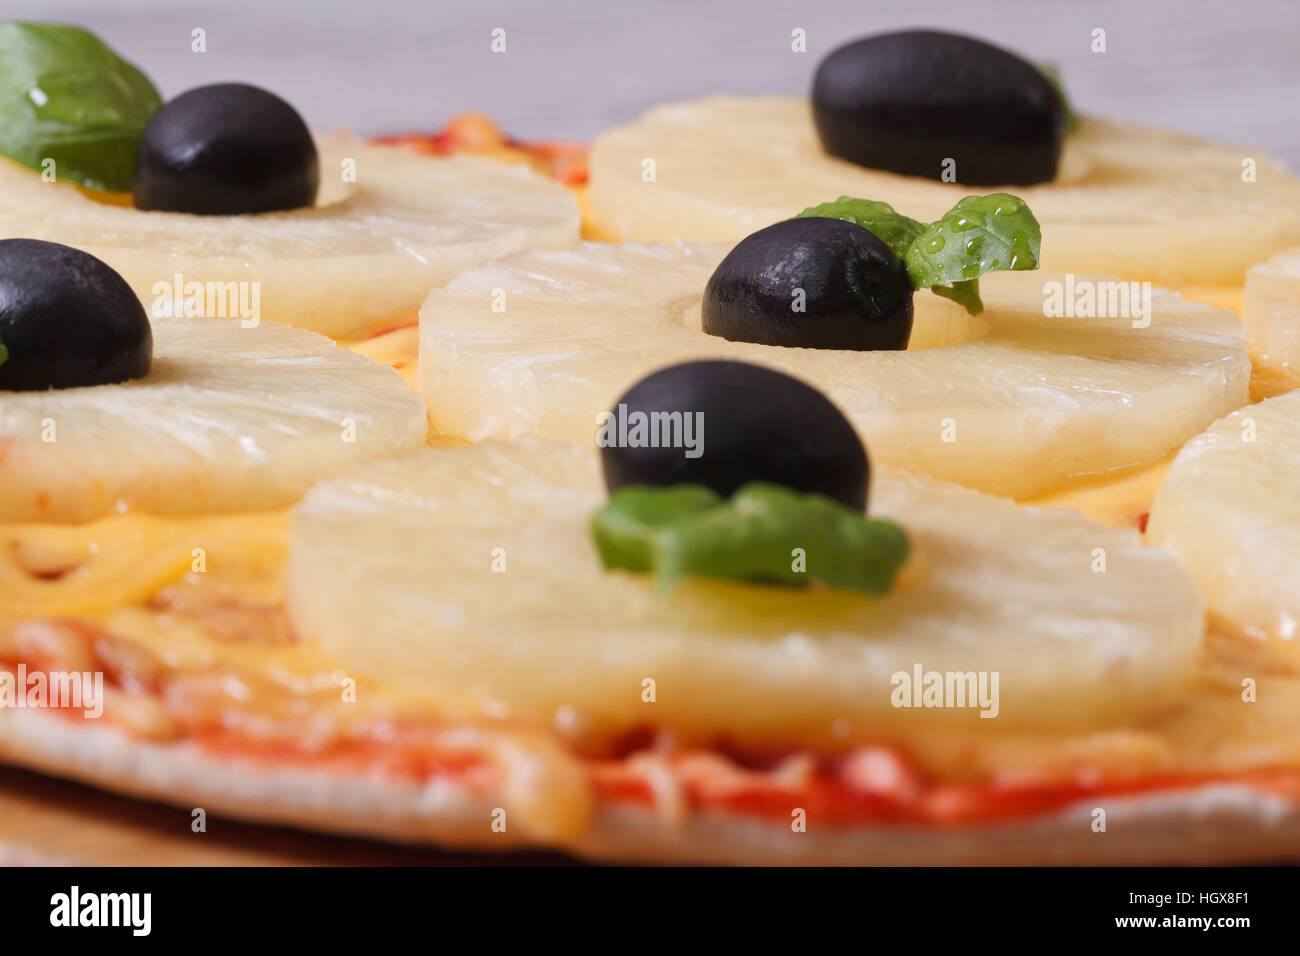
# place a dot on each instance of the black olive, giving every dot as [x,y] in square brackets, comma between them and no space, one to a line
[226,149]
[67,319]
[811,283]
[909,102]
[721,424]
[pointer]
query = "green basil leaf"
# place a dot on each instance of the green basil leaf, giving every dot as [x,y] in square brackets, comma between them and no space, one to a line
[627,530]
[66,96]
[4,354]
[979,234]
[965,293]
[756,535]
[892,228]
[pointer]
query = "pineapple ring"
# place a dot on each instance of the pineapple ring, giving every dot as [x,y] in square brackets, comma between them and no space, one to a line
[228,418]
[1230,509]
[1271,309]
[1011,402]
[470,573]
[1132,201]
[368,251]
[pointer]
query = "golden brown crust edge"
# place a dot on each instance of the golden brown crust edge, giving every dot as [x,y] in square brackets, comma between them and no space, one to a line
[1221,823]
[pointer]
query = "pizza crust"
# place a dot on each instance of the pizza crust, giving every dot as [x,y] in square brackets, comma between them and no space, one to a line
[1213,824]
[1220,823]
[185,775]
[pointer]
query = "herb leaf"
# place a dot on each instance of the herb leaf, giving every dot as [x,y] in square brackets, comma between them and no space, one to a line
[627,530]
[979,234]
[687,530]
[892,228]
[965,292]
[66,96]
[4,354]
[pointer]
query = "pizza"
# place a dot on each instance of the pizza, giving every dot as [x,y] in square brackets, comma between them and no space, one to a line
[455,490]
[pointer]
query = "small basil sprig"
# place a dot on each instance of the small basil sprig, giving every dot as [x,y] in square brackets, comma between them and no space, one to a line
[879,218]
[979,234]
[757,535]
[66,97]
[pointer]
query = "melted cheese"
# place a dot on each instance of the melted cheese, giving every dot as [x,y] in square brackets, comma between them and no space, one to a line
[397,345]
[1119,498]
[84,570]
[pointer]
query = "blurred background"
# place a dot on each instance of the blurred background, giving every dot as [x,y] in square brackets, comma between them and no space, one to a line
[1227,71]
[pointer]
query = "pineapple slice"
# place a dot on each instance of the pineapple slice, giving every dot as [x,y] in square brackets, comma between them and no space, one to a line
[370,249]
[470,574]
[1009,402]
[228,419]
[1230,508]
[1131,201]
[1271,308]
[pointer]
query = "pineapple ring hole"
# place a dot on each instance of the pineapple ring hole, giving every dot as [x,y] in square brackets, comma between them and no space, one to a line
[937,321]
[1073,168]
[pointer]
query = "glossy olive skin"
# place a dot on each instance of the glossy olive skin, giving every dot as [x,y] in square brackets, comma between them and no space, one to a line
[906,102]
[811,283]
[757,424]
[67,319]
[223,150]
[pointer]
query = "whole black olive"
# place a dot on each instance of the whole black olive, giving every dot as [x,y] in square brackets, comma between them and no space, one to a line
[923,103]
[67,319]
[811,283]
[223,150]
[722,424]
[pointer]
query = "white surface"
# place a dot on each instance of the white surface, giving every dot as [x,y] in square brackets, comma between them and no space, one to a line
[1227,71]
